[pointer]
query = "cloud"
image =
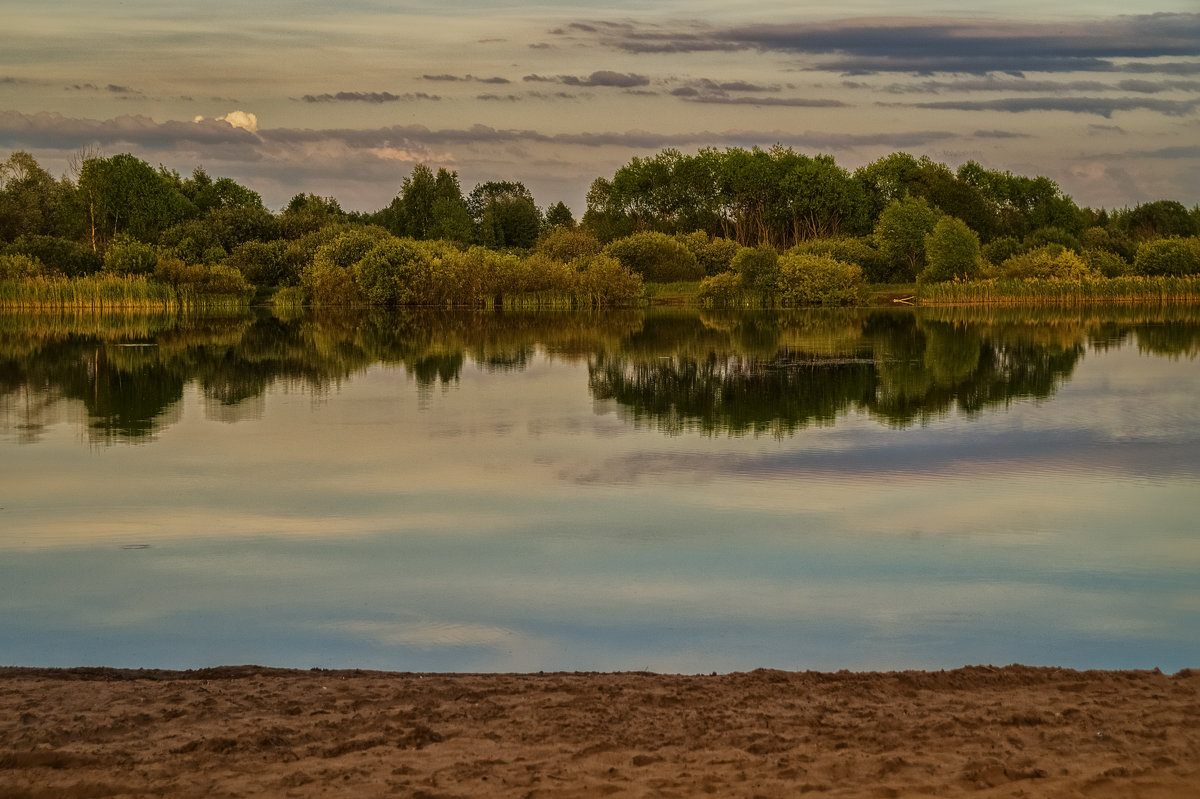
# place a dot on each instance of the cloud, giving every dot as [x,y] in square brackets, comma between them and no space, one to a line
[241,119]
[1000,134]
[1100,106]
[792,102]
[921,45]
[603,77]
[465,78]
[367,97]
[992,83]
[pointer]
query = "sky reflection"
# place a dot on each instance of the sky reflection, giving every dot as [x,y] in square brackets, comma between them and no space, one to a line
[508,520]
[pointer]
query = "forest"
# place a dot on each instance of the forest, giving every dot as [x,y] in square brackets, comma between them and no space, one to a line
[743,227]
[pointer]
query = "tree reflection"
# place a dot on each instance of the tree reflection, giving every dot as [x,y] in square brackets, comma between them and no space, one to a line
[726,372]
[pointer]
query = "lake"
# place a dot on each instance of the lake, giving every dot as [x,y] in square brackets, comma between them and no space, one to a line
[669,490]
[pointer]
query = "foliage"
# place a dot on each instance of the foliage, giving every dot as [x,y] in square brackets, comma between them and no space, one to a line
[723,290]
[713,254]
[819,280]
[559,216]
[999,250]
[852,250]
[1156,220]
[128,256]
[1051,261]
[505,215]
[757,270]
[1105,262]
[126,195]
[19,267]
[566,244]
[656,257]
[951,252]
[900,235]
[59,256]
[1173,256]
[606,282]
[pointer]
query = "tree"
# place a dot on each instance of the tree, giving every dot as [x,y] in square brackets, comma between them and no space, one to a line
[900,235]
[126,195]
[559,215]
[951,252]
[505,215]
[451,220]
[657,257]
[29,198]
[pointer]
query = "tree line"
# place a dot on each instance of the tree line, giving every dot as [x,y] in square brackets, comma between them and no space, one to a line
[774,224]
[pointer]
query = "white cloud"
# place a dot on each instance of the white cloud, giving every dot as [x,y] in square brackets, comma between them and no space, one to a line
[241,119]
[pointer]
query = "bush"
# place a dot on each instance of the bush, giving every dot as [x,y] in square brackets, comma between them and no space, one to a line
[262,263]
[394,272]
[757,269]
[566,244]
[605,281]
[1173,256]
[713,255]
[58,256]
[656,257]
[212,280]
[997,251]
[1050,235]
[1051,261]
[1105,262]
[852,250]
[721,290]
[951,252]
[128,256]
[820,280]
[20,267]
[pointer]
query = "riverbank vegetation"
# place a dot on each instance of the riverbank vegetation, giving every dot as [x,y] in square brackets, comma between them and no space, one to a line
[733,228]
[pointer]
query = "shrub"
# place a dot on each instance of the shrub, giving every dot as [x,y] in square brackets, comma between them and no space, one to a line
[394,272]
[1051,261]
[820,280]
[852,250]
[19,267]
[1173,256]
[656,257]
[714,255]
[566,244]
[58,256]
[951,252]
[128,256]
[721,290]
[1105,262]
[606,281]
[262,263]
[999,250]
[1050,235]
[757,269]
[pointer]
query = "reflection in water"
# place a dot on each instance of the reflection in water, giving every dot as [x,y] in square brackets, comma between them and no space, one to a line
[494,492]
[761,373]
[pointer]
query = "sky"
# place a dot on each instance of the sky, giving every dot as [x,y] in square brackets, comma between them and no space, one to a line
[343,99]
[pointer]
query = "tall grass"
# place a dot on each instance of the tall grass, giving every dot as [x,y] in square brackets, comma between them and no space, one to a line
[101,292]
[1047,291]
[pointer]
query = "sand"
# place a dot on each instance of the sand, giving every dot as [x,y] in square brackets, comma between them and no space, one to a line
[250,731]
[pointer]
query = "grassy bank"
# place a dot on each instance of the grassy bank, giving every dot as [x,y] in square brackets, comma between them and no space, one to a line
[108,292]
[1041,291]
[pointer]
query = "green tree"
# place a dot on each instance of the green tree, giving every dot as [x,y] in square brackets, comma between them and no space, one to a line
[124,194]
[559,215]
[505,215]
[900,235]
[1171,256]
[29,198]
[951,252]
[451,220]
[757,269]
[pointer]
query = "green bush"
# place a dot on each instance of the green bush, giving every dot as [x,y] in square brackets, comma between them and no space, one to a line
[566,244]
[999,250]
[657,257]
[1171,256]
[819,280]
[721,290]
[757,269]
[852,250]
[395,272]
[58,256]
[713,254]
[604,282]
[128,256]
[1050,261]
[951,252]
[20,267]
[263,263]
[1105,262]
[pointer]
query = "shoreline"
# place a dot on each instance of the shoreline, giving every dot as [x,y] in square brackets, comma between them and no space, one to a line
[258,731]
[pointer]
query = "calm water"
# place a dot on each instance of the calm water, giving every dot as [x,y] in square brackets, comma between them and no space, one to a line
[678,491]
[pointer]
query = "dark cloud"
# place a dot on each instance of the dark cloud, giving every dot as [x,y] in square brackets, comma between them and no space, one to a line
[367,97]
[453,78]
[992,83]
[790,102]
[604,77]
[1100,106]
[1189,151]
[924,46]
[1000,134]
[1107,129]
[48,129]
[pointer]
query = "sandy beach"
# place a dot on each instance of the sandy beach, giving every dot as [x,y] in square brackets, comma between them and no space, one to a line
[250,731]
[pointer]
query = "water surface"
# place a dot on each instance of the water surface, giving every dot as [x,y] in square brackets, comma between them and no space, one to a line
[676,491]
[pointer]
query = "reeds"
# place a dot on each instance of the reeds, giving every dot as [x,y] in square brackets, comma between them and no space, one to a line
[102,292]
[1160,290]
